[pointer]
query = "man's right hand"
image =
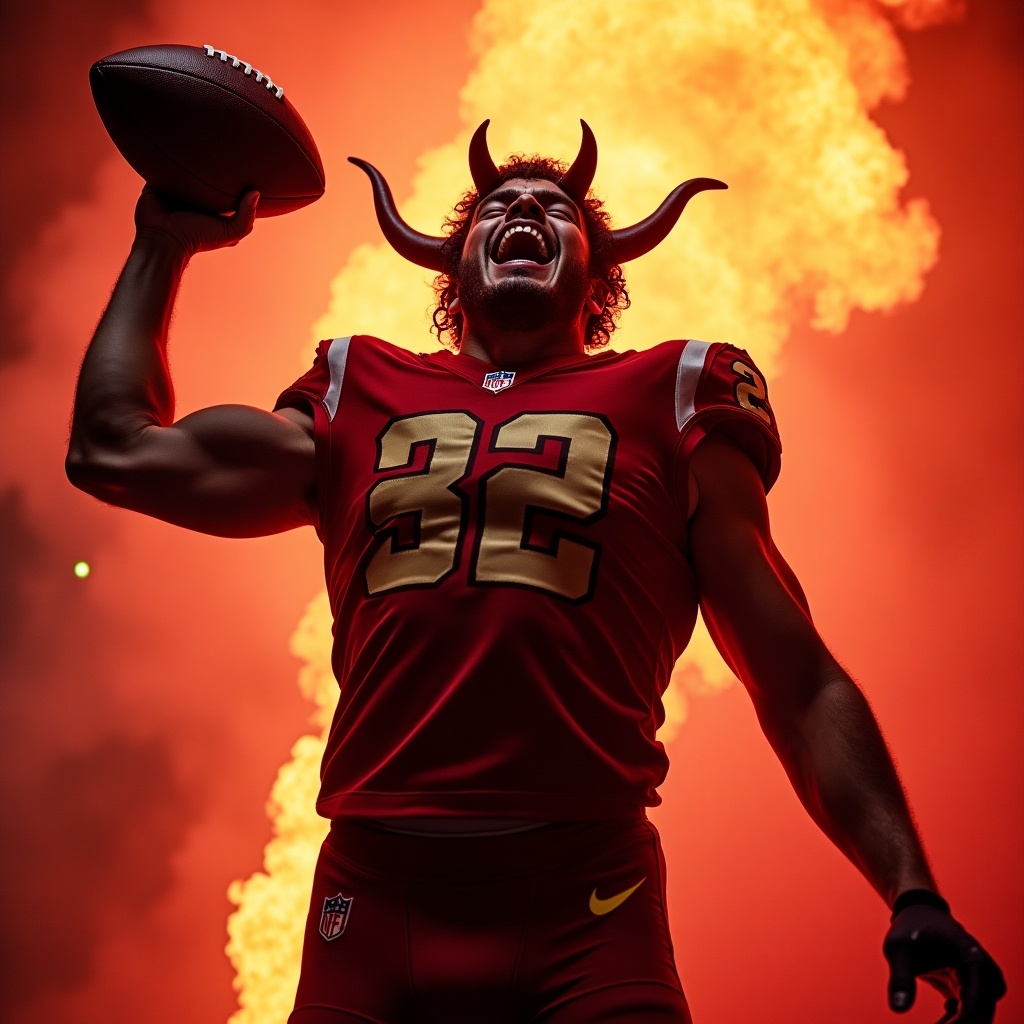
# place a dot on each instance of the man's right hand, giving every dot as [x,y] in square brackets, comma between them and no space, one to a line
[226,470]
[191,230]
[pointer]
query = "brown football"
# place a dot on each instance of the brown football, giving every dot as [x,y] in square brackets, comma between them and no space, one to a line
[203,127]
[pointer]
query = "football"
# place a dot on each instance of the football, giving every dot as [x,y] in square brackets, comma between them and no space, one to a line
[203,127]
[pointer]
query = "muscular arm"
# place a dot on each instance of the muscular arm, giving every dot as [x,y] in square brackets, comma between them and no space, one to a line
[228,470]
[824,733]
[815,717]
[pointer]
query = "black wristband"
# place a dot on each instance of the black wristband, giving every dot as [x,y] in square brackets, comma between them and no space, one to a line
[917,897]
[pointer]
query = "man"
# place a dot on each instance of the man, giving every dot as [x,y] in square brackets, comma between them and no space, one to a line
[517,535]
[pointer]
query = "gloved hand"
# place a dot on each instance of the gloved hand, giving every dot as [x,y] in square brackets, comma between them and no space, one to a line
[925,941]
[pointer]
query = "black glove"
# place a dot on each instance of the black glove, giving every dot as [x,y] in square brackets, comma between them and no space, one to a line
[925,941]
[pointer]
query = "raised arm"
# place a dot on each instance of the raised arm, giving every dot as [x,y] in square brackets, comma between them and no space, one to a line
[822,729]
[229,470]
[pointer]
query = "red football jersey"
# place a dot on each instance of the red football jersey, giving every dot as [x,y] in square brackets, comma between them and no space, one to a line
[506,558]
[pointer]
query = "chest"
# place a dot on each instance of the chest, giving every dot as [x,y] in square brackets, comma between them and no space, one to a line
[532,486]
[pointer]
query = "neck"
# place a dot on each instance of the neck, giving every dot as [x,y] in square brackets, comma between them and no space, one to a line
[502,347]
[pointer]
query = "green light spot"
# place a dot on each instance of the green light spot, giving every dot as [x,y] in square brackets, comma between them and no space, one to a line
[82,569]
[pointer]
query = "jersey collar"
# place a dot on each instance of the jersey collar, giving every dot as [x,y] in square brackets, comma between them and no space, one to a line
[474,370]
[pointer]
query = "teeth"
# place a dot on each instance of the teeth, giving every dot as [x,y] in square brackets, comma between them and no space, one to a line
[517,230]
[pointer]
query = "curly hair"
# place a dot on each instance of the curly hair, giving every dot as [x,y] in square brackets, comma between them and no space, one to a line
[448,326]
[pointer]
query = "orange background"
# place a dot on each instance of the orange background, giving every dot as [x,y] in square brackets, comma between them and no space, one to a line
[146,709]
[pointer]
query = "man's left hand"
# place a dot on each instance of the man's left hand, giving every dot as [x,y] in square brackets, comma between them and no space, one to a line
[927,942]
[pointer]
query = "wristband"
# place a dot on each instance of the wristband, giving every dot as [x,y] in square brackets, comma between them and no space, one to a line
[918,897]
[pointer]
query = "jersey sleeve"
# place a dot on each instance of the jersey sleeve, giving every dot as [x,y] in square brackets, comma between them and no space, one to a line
[317,392]
[719,389]
[311,388]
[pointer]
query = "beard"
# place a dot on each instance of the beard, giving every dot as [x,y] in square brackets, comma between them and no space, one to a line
[523,303]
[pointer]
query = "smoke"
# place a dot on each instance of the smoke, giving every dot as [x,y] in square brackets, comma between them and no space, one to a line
[114,814]
[172,660]
[266,931]
[46,52]
[21,554]
[98,805]
[772,97]
[102,766]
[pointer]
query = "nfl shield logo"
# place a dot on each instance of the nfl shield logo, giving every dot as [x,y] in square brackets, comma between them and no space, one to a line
[499,380]
[334,916]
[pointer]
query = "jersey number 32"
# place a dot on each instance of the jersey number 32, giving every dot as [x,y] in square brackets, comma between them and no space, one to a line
[439,449]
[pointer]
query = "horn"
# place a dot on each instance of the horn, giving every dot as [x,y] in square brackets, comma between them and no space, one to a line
[481,166]
[629,243]
[575,183]
[423,250]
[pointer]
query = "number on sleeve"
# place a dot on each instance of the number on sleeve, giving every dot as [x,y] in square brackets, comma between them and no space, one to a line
[751,392]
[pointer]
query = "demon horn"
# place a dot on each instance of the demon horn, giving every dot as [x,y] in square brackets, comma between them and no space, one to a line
[575,183]
[629,243]
[416,247]
[481,166]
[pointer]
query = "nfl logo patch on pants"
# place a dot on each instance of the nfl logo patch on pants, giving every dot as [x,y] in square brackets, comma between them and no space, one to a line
[334,916]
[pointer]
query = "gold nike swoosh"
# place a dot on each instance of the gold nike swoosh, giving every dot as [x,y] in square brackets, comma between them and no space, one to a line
[599,906]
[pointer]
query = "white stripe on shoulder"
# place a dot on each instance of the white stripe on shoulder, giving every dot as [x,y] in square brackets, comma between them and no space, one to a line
[691,363]
[337,356]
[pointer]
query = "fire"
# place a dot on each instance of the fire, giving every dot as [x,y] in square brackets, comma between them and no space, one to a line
[772,96]
[265,933]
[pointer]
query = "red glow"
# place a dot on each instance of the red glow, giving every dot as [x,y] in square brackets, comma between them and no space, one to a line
[899,506]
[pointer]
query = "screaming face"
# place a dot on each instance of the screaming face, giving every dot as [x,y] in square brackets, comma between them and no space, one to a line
[542,274]
[526,260]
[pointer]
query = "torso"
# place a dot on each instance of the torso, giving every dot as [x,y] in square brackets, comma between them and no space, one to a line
[508,575]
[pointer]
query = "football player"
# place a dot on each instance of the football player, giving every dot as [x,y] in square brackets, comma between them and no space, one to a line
[518,530]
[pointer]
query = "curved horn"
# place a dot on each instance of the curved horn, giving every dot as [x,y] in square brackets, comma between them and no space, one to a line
[423,250]
[629,243]
[481,166]
[575,183]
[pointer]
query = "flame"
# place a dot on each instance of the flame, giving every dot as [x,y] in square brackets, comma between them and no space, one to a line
[772,96]
[265,933]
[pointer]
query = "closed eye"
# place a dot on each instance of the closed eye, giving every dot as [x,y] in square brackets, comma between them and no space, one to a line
[555,204]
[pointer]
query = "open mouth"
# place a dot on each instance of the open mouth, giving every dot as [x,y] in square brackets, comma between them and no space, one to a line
[522,242]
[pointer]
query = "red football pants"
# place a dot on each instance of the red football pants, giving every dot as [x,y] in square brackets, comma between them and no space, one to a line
[563,924]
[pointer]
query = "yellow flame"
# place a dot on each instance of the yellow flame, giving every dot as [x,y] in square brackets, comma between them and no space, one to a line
[265,933]
[773,97]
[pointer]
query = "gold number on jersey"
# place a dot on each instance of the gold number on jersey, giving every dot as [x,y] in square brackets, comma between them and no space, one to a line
[429,495]
[426,504]
[751,392]
[576,490]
